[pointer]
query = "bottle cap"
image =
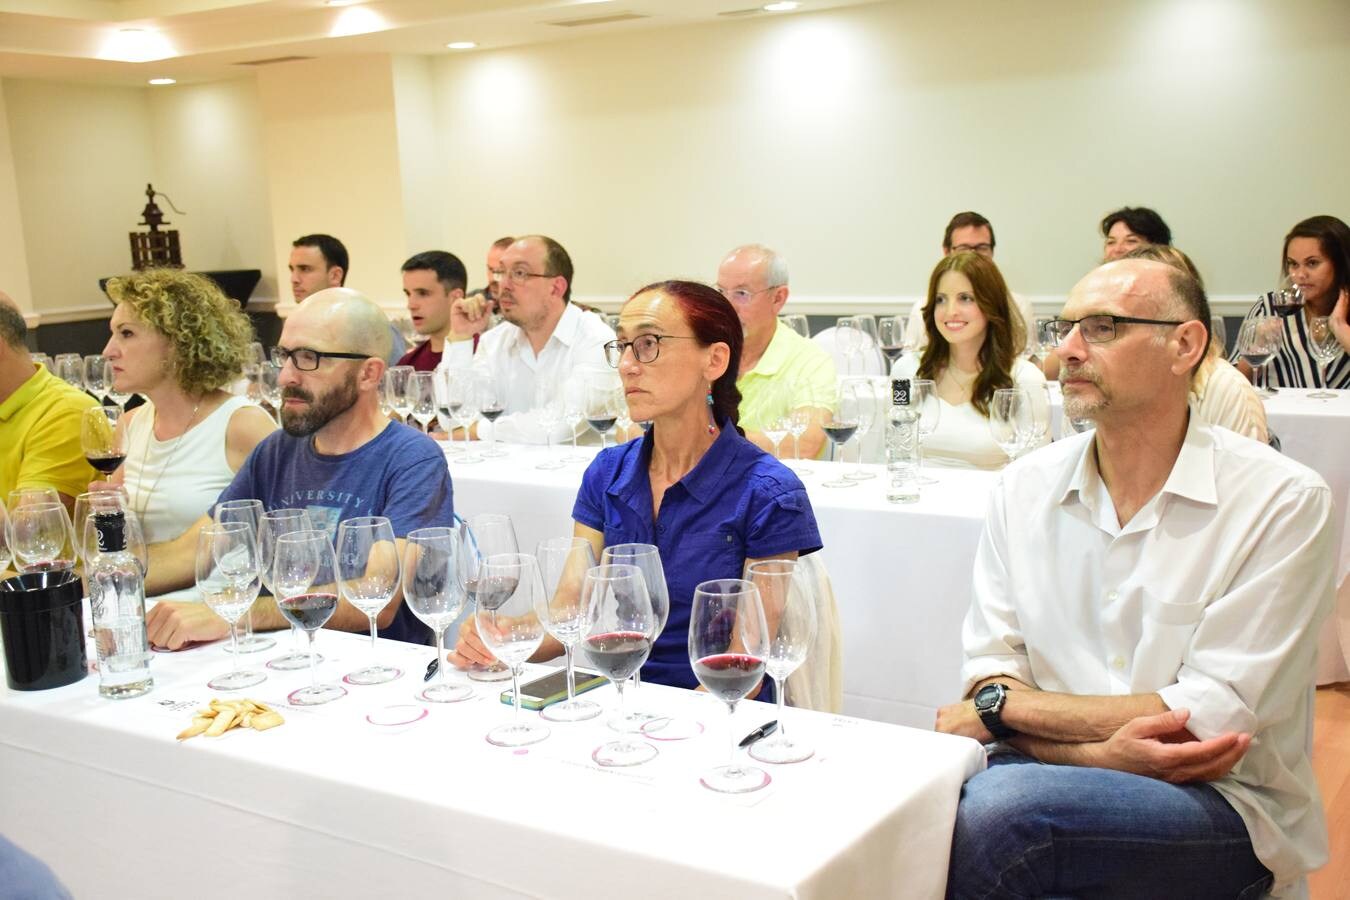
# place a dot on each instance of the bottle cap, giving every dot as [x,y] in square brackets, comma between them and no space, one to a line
[111,527]
[900,392]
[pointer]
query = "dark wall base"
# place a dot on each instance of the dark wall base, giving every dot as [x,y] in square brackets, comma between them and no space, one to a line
[90,336]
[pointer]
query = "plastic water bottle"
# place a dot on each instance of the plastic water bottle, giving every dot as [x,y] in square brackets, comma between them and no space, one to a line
[902,445]
[117,599]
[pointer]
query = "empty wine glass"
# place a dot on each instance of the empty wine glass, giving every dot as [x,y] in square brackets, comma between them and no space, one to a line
[563,564]
[30,496]
[509,617]
[870,348]
[776,430]
[434,590]
[304,581]
[70,369]
[227,577]
[797,322]
[271,525]
[96,376]
[396,380]
[269,387]
[617,638]
[891,338]
[368,575]
[101,439]
[848,336]
[1324,347]
[842,425]
[250,513]
[787,592]
[924,398]
[42,359]
[1039,398]
[574,401]
[798,420]
[462,399]
[1258,341]
[422,398]
[114,393]
[5,554]
[41,537]
[482,536]
[728,644]
[548,412]
[1010,420]
[490,407]
[867,411]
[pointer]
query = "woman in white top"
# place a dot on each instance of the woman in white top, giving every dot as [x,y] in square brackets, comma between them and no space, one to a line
[178,341]
[1317,260]
[973,338]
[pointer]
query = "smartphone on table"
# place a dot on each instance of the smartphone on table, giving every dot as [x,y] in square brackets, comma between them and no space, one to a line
[552,688]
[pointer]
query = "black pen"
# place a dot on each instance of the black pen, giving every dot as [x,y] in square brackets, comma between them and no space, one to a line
[431,668]
[762,731]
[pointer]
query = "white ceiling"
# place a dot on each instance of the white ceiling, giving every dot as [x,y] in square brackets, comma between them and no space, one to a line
[210,39]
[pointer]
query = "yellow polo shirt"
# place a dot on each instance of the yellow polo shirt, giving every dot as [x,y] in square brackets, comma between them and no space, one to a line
[792,373]
[40,436]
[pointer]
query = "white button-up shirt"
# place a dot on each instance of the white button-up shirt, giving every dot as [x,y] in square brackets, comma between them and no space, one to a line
[578,341]
[1210,596]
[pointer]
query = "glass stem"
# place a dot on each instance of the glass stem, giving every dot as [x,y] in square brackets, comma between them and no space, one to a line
[731,738]
[441,664]
[295,636]
[918,450]
[515,695]
[313,668]
[637,678]
[248,624]
[778,687]
[571,675]
[494,436]
[574,439]
[796,449]
[372,637]
[234,647]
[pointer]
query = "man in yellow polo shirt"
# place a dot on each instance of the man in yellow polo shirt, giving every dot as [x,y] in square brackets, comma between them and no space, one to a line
[39,418]
[781,371]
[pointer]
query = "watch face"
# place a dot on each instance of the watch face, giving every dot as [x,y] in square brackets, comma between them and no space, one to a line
[986,697]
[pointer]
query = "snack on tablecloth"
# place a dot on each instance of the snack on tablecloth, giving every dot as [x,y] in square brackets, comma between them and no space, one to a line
[222,715]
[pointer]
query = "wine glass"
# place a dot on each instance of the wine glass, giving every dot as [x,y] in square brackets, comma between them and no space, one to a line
[1039,397]
[728,645]
[602,409]
[463,402]
[396,380]
[1287,300]
[867,411]
[42,359]
[482,536]
[490,407]
[509,611]
[368,577]
[849,338]
[1218,334]
[434,591]
[41,537]
[271,525]
[445,412]
[617,638]
[1258,341]
[96,376]
[269,387]
[867,324]
[563,564]
[227,577]
[30,496]
[70,369]
[304,579]
[250,513]
[1010,420]
[114,393]
[841,427]
[777,429]
[101,439]
[924,398]
[1324,347]
[797,322]
[787,591]
[891,338]
[575,403]
[422,398]
[548,411]
[5,554]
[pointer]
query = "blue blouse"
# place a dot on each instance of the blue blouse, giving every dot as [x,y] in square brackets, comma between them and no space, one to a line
[737,503]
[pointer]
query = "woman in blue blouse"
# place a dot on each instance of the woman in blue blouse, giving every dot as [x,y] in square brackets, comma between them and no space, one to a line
[709,499]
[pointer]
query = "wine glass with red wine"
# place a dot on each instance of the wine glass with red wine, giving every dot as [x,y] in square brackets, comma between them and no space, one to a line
[304,579]
[728,647]
[101,438]
[617,638]
[41,537]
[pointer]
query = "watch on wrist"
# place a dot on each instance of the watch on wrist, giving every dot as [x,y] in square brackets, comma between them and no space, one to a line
[989,702]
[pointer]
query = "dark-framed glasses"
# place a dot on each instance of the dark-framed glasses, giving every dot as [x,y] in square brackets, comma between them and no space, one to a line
[646,347]
[517,275]
[982,249]
[1097,329]
[307,360]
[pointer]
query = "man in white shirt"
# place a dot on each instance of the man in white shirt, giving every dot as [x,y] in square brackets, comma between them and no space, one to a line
[543,341]
[967,232]
[1143,632]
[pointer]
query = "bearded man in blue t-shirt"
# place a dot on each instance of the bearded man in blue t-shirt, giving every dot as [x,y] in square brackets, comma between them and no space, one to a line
[336,456]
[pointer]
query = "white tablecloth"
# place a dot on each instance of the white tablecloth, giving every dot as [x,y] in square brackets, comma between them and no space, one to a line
[329,805]
[901,574]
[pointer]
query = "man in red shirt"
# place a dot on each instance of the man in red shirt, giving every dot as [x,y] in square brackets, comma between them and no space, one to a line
[432,281]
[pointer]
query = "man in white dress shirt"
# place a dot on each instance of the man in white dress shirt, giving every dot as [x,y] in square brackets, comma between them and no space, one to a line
[544,340]
[1143,632]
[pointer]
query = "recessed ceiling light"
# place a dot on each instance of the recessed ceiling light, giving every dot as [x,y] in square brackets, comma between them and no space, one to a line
[163,81]
[461,45]
[784,6]
[357,20]
[136,45]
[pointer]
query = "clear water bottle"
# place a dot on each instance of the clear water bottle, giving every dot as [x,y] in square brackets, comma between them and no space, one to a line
[902,445]
[117,598]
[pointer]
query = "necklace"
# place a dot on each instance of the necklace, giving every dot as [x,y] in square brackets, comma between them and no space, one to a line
[141,493]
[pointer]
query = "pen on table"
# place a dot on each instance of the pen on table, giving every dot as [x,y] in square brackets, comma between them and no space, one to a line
[762,731]
[432,667]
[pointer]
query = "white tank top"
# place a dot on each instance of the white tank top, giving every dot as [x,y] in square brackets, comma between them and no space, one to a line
[173,483]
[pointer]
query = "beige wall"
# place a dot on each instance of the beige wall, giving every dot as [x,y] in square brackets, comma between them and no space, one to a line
[13,256]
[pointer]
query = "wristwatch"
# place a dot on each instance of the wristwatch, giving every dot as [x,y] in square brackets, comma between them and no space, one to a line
[989,702]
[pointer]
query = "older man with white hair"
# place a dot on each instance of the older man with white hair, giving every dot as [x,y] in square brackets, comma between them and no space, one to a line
[336,456]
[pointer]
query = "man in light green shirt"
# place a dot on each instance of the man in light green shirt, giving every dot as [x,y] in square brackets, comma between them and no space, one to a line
[781,371]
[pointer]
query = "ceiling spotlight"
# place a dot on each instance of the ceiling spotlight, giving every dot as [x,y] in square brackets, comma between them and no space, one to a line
[461,45]
[163,81]
[136,45]
[357,20]
[784,6]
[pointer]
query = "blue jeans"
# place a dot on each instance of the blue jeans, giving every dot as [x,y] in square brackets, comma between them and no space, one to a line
[1026,829]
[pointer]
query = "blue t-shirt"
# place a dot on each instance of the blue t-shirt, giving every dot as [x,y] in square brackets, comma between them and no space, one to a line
[400,473]
[737,503]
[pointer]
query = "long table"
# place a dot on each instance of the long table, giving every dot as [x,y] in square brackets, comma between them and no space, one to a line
[331,805]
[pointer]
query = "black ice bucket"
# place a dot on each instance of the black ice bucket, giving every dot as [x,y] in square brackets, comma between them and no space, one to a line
[42,628]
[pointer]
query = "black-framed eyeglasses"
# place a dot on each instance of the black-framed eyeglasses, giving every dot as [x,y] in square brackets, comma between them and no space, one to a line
[307,360]
[741,295]
[982,249]
[1097,329]
[518,275]
[646,347]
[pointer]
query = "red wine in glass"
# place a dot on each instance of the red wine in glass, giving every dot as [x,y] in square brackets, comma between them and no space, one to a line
[309,611]
[106,464]
[49,565]
[491,413]
[729,676]
[840,433]
[618,653]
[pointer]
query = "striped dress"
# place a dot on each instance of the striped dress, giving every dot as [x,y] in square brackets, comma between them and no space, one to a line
[1293,364]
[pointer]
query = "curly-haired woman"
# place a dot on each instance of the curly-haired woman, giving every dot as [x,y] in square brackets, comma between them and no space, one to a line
[178,340]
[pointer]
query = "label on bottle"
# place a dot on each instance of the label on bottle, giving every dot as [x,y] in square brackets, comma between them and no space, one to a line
[900,392]
[112,531]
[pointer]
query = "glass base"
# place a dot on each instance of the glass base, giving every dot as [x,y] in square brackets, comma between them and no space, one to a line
[126,691]
[859,476]
[235,681]
[623,753]
[316,696]
[517,734]
[396,715]
[253,644]
[576,458]
[447,693]
[797,467]
[1265,392]
[631,723]
[468,459]
[498,672]
[292,661]
[576,710]
[551,464]
[924,479]
[735,779]
[494,454]
[839,483]
[780,752]
[373,675]
[672,729]
[1322,395]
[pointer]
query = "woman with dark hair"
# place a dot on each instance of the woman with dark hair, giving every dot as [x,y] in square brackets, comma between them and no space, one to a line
[1316,260]
[1130,228]
[694,486]
[971,352]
